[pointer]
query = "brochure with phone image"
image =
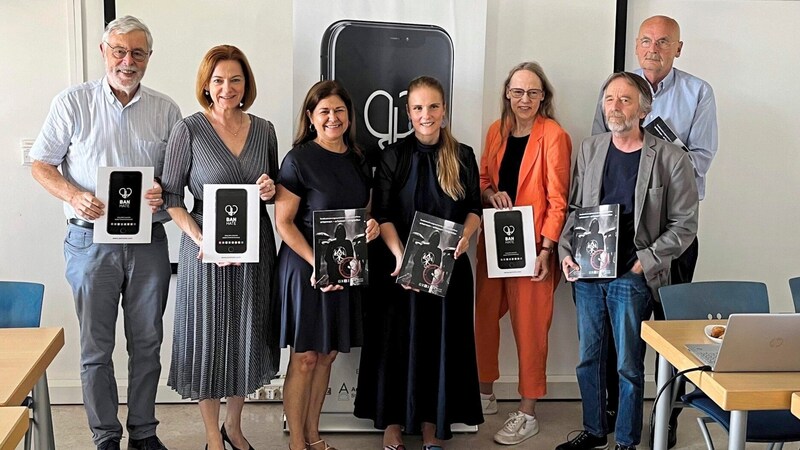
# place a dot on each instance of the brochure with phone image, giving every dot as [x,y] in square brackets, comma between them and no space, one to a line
[128,217]
[429,256]
[594,241]
[230,223]
[340,247]
[510,241]
[660,129]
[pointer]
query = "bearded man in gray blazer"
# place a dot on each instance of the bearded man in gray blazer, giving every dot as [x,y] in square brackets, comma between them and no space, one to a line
[653,182]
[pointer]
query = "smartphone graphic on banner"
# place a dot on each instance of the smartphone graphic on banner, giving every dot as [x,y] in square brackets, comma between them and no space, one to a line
[124,202]
[231,230]
[375,61]
[508,236]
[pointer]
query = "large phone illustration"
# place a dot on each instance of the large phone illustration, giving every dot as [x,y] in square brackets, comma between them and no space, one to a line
[231,229]
[509,239]
[375,61]
[124,202]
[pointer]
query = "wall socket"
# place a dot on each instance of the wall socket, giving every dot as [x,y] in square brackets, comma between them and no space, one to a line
[25,146]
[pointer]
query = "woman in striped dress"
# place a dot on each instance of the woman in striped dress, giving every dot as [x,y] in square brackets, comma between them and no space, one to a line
[223,343]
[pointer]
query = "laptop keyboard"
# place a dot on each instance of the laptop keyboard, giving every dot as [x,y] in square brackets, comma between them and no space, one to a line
[706,353]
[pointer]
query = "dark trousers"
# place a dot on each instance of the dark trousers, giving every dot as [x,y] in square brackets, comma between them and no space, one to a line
[682,271]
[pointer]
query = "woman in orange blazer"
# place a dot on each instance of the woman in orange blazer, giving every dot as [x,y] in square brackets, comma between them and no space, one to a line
[526,161]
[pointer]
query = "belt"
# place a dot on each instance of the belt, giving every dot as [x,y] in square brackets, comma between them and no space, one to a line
[198,208]
[81,223]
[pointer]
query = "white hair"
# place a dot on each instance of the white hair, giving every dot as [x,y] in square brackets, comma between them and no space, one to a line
[125,25]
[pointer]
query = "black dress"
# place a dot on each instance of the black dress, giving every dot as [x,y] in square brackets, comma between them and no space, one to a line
[312,320]
[418,360]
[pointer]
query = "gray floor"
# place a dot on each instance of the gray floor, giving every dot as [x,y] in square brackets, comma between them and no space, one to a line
[181,428]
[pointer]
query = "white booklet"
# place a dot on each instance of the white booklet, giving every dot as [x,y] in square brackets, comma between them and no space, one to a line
[510,242]
[128,218]
[230,223]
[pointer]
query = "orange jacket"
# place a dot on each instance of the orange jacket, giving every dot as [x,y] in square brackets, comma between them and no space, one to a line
[543,176]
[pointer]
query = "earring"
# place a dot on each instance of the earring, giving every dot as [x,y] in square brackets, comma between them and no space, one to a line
[206,92]
[311,128]
[241,104]
[410,126]
[444,122]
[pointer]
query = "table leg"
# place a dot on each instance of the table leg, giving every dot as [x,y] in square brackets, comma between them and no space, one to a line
[42,416]
[664,406]
[737,435]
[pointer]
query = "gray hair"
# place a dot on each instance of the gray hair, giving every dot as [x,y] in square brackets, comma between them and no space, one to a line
[125,25]
[645,95]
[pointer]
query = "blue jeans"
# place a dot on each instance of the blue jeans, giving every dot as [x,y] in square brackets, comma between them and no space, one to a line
[623,303]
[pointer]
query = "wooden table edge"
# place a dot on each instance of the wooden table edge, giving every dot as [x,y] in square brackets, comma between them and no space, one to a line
[19,416]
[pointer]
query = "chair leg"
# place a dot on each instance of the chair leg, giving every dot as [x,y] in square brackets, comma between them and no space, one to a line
[703,421]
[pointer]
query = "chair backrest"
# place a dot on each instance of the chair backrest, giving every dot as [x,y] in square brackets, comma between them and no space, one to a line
[794,286]
[20,304]
[713,299]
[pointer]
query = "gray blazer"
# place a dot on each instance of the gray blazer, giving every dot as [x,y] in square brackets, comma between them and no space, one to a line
[666,202]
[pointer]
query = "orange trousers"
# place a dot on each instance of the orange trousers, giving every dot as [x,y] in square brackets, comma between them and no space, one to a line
[531,306]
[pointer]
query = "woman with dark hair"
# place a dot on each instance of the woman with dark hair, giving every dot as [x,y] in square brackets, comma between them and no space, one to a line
[418,371]
[222,345]
[526,161]
[324,170]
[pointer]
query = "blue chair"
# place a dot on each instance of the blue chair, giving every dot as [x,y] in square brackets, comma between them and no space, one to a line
[21,307]
[794,286]
[718,300]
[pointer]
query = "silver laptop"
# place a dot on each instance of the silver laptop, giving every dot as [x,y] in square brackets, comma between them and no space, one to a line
[754,343]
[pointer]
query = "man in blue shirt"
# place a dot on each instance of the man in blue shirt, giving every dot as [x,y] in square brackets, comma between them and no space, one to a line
[685,104]
[112,122]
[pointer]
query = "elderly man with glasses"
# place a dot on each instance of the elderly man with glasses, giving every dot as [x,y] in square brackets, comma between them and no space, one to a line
[685,113]
[114,122]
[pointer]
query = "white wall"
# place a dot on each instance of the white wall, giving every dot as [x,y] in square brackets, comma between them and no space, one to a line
[742,48]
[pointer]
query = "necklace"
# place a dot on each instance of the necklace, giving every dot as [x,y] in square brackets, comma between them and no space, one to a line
[234,133]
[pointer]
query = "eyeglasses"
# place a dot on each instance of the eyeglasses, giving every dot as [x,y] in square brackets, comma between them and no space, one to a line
[120,52]
[661,43]
[533,94]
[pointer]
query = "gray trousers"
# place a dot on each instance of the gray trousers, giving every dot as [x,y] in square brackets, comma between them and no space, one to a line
[99,275]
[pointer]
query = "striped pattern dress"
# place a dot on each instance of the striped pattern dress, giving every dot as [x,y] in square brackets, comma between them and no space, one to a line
[224,342]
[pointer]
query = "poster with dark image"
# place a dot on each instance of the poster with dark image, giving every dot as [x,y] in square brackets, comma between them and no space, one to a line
[124,202]
[429,255]
[231,230]
[594,241]
[357,54]
[340,247]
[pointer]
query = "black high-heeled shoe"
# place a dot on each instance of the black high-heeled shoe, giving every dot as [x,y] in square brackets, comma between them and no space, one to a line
[225,438]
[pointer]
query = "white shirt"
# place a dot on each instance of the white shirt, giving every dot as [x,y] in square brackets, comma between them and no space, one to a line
[88,127]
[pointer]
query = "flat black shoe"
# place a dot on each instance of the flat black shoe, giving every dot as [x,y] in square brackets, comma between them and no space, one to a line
[148,443]
[225,438]
[110,444]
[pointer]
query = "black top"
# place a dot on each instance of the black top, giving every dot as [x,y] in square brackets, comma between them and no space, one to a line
[619,186]
[323,180]
[406,182]
[509,167]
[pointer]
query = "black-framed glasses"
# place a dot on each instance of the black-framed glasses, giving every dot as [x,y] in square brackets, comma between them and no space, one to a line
[533,94]
[661,43]
[120,52]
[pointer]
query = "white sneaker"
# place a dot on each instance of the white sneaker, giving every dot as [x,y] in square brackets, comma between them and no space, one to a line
[517,428]
[488,404]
